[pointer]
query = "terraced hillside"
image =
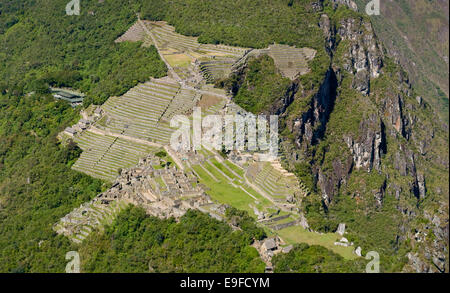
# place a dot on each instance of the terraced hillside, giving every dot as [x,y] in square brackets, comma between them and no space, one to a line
[104,155]
[291,61]
[88,217]
[186,55]
[134,34]
[216,69]
[187,58]
[130,124]
[182,104]
[138,113]
[279,185]
[167,38]
[225,183]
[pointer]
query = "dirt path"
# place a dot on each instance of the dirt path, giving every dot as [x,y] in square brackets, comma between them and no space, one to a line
[174,156]
[149,33]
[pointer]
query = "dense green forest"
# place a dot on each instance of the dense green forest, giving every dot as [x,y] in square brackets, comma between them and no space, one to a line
[198,243]
[254,24]
[314,259]
[41,46]
[259,87]
[47,47]
[37,186]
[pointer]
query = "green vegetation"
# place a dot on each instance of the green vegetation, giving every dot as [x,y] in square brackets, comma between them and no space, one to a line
[224,192]
[161,154]
[136,242]
[314,259]
[372,228]
[296,234]
[242,220]
[213,23]
[37,186]
[304,172]
[47,47]
[417,30]
[229,22]
[40,46]
[260,86]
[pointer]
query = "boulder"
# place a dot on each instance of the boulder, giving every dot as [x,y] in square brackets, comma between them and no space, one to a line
[341,229]
[269,244]
[358,251]
[286,249]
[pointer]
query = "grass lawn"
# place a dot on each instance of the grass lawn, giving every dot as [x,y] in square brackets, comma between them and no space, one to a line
[222,168]
[235,168]
[224,192]
[296,234]
[178,60]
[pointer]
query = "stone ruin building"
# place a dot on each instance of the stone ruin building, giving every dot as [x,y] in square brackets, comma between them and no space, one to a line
[163,192]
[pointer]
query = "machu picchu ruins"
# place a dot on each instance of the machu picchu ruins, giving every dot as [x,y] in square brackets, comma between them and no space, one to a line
[121,139]
[179,137]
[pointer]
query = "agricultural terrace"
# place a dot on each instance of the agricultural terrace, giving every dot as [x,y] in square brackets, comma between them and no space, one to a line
[132,123]
[182,104]
[211,104]
[104,155]
[134,34]
[139,112]
[291,61]
[225,183]
[275,181]
[184,54]
[90,216]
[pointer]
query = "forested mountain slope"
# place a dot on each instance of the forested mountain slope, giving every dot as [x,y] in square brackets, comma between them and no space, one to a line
[415,33]
[47,47]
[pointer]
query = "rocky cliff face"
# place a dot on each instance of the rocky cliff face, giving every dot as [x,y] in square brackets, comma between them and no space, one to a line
[363,57]
[394,137]
[311,125]
[415,34]
[360,59]
[373,145]
[368,148]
